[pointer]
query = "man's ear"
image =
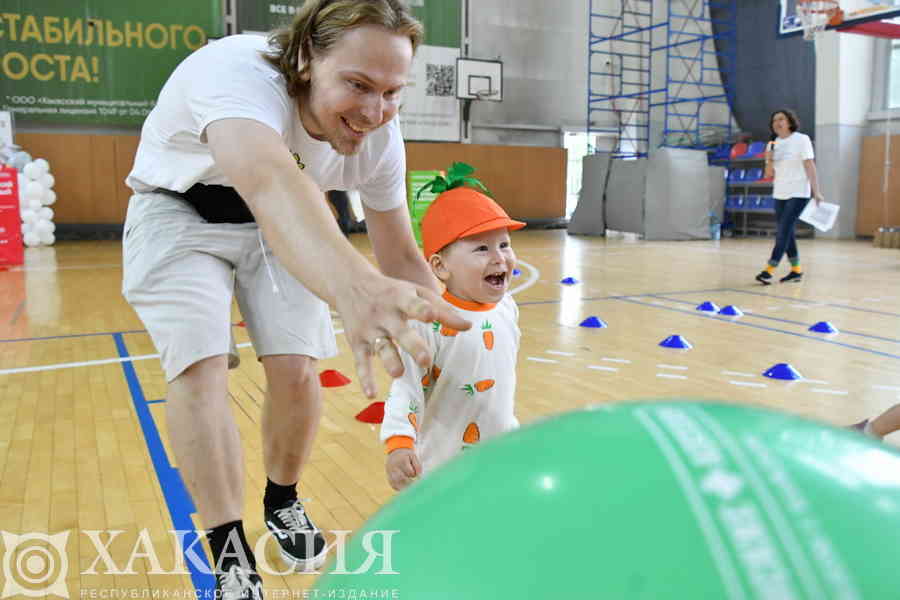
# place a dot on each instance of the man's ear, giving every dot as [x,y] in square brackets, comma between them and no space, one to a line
[436,262]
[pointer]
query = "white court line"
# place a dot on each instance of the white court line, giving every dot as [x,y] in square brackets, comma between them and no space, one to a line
[535,274]
[803,306]
[889,388]
[816,381]
[748,384]
[738,374]
[671,376]
[559,353]
[616,360]
[834,392]
[673,367]
[602,368]
[541,360]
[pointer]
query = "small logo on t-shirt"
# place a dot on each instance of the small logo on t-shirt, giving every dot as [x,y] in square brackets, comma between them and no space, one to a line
[300,163]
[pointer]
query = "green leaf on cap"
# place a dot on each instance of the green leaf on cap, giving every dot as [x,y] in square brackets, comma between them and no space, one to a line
[457,176]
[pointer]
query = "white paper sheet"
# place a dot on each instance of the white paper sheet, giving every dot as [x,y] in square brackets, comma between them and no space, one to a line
[822,217]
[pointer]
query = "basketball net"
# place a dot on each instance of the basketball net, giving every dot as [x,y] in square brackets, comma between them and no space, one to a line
[815,15]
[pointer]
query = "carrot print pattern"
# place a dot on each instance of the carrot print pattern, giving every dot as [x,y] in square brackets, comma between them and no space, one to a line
[413,421]
[448,331]
[479,386]
[487,335]
[472,434]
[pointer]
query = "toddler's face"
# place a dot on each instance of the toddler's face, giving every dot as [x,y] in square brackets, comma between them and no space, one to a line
[478,268]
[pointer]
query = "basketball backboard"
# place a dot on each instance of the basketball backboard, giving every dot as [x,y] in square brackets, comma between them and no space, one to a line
[855,12]
[478,79]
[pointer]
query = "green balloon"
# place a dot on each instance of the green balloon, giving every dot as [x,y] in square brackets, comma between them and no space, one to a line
[681,500]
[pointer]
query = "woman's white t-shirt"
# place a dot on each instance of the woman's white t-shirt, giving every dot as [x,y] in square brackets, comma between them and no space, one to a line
[791,180]
[229,78]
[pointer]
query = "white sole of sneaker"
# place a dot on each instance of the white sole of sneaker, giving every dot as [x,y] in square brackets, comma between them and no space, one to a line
[310,564]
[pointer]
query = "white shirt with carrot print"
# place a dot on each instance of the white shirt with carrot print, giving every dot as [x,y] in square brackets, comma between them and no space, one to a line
[467,396]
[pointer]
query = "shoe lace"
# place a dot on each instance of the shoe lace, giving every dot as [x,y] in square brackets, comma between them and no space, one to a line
[235,582]
[294,517]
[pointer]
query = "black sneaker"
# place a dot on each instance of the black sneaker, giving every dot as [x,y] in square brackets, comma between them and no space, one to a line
[238,583]
[764,277]
[792,276]
[302,544]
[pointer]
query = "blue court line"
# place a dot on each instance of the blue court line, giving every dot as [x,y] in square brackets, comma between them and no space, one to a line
[844,306]
[72,335]
[156,401]
[619,297]
[177,498]
[763,327]
[801,323]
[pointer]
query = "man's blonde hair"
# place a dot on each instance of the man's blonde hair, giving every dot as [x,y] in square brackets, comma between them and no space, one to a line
[319,24]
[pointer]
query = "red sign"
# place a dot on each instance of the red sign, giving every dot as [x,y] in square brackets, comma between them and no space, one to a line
[11,249]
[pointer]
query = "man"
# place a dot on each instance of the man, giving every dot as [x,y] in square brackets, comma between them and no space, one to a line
[228,180]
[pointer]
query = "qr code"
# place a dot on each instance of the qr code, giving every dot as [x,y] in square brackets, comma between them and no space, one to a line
[441,80]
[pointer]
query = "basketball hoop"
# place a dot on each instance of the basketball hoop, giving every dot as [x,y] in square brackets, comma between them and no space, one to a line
[486,94]
[815,15]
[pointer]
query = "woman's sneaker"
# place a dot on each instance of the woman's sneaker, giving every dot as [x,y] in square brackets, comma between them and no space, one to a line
[792,276]
[764,277]
[302,544]
[238,583]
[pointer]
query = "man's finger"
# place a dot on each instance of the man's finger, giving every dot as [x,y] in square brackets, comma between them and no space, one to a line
[441,311]
[389,356]
[417,466]
[363,360]
[413,344]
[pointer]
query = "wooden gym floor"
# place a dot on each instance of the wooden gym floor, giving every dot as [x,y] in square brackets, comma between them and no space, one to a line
[83,441]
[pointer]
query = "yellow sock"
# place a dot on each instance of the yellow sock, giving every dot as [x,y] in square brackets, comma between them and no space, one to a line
[796,269]
[769,269]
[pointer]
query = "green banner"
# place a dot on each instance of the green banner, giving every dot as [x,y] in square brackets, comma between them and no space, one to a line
[441,18]
[417,207]
[96,61]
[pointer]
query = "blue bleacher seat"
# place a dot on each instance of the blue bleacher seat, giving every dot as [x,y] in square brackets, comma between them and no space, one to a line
[753,175]
[735,175]
[754,149]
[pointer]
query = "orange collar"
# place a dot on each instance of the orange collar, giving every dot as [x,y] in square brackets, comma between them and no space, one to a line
[466,304]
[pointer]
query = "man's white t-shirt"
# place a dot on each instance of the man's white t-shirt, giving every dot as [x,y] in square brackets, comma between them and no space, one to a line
[229,78]
[791,180]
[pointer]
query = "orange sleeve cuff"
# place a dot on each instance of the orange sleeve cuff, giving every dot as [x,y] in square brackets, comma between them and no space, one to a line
[398,441]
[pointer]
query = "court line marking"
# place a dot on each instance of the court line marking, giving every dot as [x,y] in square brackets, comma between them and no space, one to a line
[542,360]
[671,376]
[178,500]
[602,368]
[749,384]
[560,353]
[763,327]
[800,323]
[815,302]
[738,374]
[624,361]
[833,392]
[889,388]
[673,367]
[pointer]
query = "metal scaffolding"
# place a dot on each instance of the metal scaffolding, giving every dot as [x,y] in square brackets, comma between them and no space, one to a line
[624,89]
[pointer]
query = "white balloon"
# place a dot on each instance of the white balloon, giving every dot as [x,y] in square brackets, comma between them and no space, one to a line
[44,226]
[23,181]
[26,227]
[32,239]
[45,213]
[48,180]
[32,170]
[29,216]
[49,198]
[34,205]
[43,165]
[47,238]
[34,191]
